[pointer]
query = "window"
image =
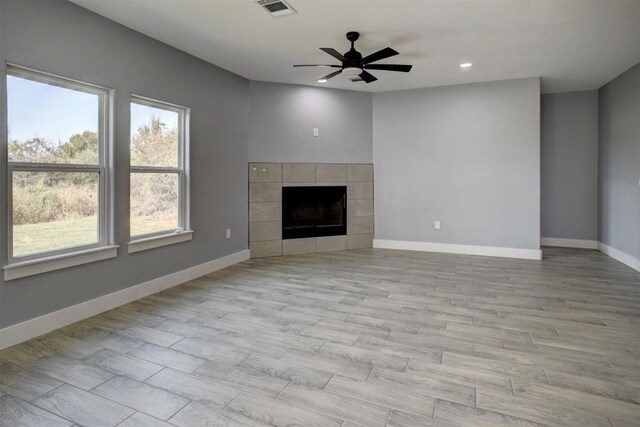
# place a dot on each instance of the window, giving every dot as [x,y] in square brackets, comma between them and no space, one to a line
[58,161]
[158,184]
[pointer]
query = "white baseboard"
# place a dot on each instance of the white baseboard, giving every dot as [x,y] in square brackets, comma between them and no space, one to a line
[569,243]
[614,253]
[618,255]
[459,249]
[32,328]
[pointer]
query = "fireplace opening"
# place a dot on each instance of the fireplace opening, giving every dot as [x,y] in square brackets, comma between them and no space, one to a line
[314,211]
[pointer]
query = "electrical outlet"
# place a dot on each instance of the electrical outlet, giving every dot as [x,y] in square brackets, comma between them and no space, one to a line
[436,225]
[316,132]
[228,233]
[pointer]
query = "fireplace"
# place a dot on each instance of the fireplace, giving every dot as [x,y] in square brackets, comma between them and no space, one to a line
[314,211]
[281,224]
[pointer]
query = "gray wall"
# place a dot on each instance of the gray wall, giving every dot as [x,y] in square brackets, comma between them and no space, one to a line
[65,39]
[569,147]
[466,155]
[619,162]
[283,117]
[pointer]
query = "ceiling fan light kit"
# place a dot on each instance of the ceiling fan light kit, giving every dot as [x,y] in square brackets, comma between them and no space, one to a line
[354,66]
[351,71]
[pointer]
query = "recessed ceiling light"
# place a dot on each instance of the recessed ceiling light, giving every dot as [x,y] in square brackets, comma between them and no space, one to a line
[322,80]
[466,65]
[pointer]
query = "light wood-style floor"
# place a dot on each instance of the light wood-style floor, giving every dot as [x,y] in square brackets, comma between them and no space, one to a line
[369,337]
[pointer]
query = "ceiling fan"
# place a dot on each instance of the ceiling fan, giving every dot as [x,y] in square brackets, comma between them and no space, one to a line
[355,66]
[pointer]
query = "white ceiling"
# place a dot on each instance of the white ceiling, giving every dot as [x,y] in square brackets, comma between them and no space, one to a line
[571,44]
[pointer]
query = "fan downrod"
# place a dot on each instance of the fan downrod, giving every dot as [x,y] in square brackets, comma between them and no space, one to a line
[352,57]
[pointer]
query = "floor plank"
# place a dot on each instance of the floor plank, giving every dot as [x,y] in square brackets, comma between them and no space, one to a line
[597,387]
[71,371]
[424,385]
[302,375]
[198,415]
[345,408]
[167,357]
[83,407]
[17,413]
[122,364]
[246,379]
[195,388]
[550,413]
[397,397]
[142,397]
[462,415]
[278,414]
[143,420]
[24,384]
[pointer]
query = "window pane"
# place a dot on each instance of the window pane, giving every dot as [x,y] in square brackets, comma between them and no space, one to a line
[54,210]
[51,124]
[154,136]
[154,202]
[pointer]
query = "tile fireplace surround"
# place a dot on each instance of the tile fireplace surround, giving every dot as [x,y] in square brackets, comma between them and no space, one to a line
[265,206]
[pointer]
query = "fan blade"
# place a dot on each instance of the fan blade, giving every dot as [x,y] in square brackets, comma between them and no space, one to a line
[381,54]
[318,65]
[328,76]
[367,77]
[334,53]
[389,67]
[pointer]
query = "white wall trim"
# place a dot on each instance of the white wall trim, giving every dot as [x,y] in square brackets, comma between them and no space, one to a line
[614,253]
[449,248]
[58,262]
[138,245]
[32,328]
[618,255]
[569,243]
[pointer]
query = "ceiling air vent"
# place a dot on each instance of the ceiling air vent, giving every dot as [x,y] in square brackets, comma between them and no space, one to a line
[276,7]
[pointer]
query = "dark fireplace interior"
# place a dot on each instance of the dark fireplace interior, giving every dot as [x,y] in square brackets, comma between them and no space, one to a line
[314,211]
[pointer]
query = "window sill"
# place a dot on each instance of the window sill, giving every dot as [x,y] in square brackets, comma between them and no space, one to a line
[158,241]
[58,262]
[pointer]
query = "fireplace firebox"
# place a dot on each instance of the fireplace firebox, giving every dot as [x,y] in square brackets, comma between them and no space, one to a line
[314,211]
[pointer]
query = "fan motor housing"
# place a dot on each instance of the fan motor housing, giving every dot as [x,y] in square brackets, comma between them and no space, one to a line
[353,57]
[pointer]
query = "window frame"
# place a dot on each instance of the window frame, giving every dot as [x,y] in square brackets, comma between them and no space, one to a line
[102,168]
[161,238]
